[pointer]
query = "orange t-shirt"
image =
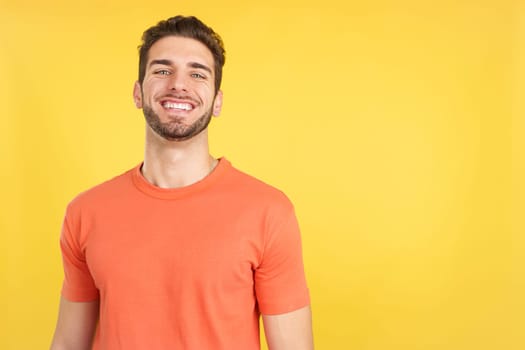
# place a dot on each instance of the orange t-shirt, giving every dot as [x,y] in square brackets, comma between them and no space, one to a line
[185,268]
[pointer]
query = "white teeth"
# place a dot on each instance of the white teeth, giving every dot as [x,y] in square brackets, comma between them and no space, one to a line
[183,106]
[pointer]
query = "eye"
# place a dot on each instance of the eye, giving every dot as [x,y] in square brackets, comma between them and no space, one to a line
[162,72]
[198,76]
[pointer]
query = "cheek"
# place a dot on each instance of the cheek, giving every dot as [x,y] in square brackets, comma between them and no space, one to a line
[151,90]
[205,92]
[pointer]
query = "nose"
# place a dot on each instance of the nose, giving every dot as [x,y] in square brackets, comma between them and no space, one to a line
[178,82]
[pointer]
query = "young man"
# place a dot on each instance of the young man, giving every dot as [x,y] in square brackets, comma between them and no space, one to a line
[183,251]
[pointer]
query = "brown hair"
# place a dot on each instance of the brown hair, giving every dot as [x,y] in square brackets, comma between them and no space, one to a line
[188,27]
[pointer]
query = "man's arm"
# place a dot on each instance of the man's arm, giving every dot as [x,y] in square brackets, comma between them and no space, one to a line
[290,331]
[76,325]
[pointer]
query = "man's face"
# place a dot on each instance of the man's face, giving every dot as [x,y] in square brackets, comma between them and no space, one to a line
[178,92]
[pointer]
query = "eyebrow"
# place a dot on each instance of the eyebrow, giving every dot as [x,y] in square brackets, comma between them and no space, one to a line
[163,62]
[200,66]
[196,65]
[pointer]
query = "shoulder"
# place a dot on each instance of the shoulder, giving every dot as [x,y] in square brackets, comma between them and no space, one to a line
[99,195]
[244,185]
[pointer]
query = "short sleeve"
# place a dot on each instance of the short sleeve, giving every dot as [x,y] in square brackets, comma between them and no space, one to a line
[78,283]
[280,282]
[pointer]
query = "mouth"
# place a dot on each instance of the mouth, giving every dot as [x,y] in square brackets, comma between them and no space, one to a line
[177,105]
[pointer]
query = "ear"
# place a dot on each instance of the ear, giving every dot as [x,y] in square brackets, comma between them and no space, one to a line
[217,104]
[137,95]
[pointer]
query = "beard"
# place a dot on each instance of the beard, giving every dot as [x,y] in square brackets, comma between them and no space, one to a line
[175,129]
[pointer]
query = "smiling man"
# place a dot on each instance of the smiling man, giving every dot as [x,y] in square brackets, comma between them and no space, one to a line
[183,251]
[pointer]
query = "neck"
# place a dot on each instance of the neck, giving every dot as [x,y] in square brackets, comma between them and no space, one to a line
[170,164]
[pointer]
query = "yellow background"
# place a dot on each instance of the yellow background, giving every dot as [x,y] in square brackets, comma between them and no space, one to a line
[396,127]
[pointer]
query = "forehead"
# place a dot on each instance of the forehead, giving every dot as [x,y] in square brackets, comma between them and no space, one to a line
[180,50]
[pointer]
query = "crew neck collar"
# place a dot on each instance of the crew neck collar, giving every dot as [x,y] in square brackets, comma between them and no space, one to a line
[173,193]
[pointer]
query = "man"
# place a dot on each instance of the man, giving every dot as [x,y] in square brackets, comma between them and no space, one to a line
[183,251]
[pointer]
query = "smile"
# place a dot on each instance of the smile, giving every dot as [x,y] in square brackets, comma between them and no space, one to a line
[175,105]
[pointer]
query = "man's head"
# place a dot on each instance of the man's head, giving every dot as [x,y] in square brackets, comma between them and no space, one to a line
[188,27]
[180,71]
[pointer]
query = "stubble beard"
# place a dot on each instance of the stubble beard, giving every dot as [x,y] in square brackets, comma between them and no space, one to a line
[175,129]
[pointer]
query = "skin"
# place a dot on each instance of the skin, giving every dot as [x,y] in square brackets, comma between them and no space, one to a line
[179,70]
[289,331]
[75,326]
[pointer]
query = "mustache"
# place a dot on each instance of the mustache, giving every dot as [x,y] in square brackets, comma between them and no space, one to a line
[181,97]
